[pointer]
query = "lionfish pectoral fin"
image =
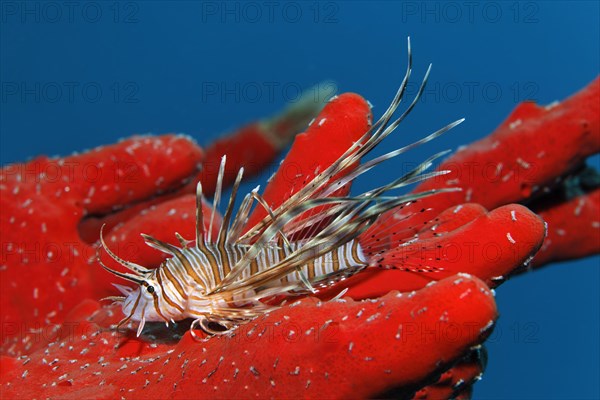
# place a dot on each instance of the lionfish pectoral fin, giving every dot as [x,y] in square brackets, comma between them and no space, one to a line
[375,134]
[345,218]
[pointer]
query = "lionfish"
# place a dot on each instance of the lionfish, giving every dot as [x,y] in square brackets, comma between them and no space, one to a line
[307,243]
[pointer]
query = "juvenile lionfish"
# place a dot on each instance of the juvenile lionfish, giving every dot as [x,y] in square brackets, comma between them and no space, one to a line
[306,243]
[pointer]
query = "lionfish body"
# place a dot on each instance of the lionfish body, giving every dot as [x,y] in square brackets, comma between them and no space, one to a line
[308,242]
[181,286]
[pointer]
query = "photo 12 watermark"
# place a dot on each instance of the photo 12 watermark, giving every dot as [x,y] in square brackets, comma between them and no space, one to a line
[68,171]
[69,92]
[270,92]
[60,253]
[472,92]
[69,12]
[470,12]
[270,12]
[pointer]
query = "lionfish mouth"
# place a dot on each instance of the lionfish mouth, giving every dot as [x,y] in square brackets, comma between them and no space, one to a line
[282,254]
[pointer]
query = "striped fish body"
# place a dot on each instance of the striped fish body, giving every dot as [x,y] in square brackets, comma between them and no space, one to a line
[182,286]
[186,279]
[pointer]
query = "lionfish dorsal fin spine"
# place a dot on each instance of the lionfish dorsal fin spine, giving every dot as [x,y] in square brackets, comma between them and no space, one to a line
[165,247]
[200,242]
[223,232]
[217,197]
[182,241]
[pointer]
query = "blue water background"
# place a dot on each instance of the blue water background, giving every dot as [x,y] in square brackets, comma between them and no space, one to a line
[153,66]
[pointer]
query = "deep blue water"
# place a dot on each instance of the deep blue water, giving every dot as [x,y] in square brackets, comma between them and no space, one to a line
[79,74]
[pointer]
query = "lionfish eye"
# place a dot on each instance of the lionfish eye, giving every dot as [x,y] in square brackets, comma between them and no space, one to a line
[150,289]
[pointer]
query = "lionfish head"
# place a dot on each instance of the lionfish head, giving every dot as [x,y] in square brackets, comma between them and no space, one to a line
[142,303]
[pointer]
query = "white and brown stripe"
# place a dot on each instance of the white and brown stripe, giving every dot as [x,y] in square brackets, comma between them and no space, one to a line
[201,270]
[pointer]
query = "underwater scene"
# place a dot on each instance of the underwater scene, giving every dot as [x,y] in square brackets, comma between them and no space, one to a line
[302,199]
